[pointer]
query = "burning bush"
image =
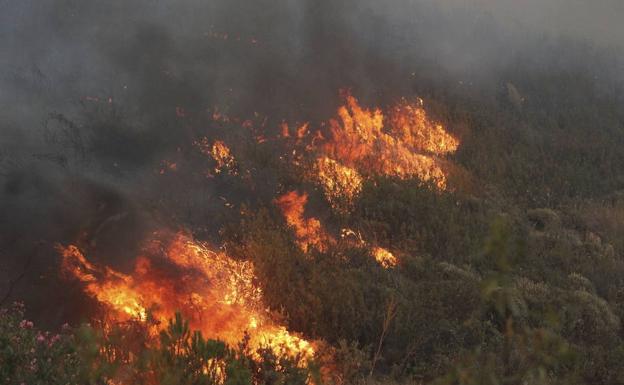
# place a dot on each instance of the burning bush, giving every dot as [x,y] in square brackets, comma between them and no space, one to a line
[216,293]
[126,353]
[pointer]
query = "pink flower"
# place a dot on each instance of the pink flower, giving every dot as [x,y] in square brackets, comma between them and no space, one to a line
[54,339]
[41,338]
[25,324]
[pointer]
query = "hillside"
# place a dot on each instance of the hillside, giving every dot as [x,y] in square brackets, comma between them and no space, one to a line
[237,193]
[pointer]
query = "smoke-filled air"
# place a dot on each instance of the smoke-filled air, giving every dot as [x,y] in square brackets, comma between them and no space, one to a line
[273,192]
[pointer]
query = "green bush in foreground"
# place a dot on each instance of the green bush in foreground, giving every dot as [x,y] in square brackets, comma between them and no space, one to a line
[30,356]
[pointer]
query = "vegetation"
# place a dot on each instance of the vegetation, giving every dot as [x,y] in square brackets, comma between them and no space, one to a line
[513,275]
[126,353]
[493,321]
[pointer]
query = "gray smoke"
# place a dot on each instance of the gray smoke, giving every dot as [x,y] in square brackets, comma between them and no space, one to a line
[91,95]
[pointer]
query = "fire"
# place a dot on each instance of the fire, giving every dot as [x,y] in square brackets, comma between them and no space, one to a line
[384,257]
[410,123]
[406,144]
[221,153]
[309,232]
[341,184]
[106,285]
[214,292]
[358,144]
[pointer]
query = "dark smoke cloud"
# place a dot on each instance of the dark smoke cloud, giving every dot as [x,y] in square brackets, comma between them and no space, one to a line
[89,91]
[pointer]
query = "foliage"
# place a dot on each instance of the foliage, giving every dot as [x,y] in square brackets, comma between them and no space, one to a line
[125,353]
[29,356]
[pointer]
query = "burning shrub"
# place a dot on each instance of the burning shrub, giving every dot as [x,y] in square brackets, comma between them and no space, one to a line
[125,353]
[341,184]
[188,277]
[407,146]
[185,357]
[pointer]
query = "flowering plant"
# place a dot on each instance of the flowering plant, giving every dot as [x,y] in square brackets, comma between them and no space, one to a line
[29,356]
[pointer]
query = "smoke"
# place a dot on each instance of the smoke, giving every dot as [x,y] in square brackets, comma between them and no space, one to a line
[282,57]
[96,95]
[595,22]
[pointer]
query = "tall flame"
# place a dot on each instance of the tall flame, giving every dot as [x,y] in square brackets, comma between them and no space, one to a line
[341,184]
[214,292]
[404,145]
[309,232]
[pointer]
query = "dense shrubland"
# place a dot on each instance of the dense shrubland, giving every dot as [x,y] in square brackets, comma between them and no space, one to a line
[538,301]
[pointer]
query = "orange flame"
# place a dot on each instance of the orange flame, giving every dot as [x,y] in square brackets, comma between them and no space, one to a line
[341,184]
[384,257]
[222,155]
[214,292]
[409,122]
[309,232]
[405,145]
[105,285]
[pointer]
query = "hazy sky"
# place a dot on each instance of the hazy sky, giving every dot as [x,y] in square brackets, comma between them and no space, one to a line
[54,52]
[596,20]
